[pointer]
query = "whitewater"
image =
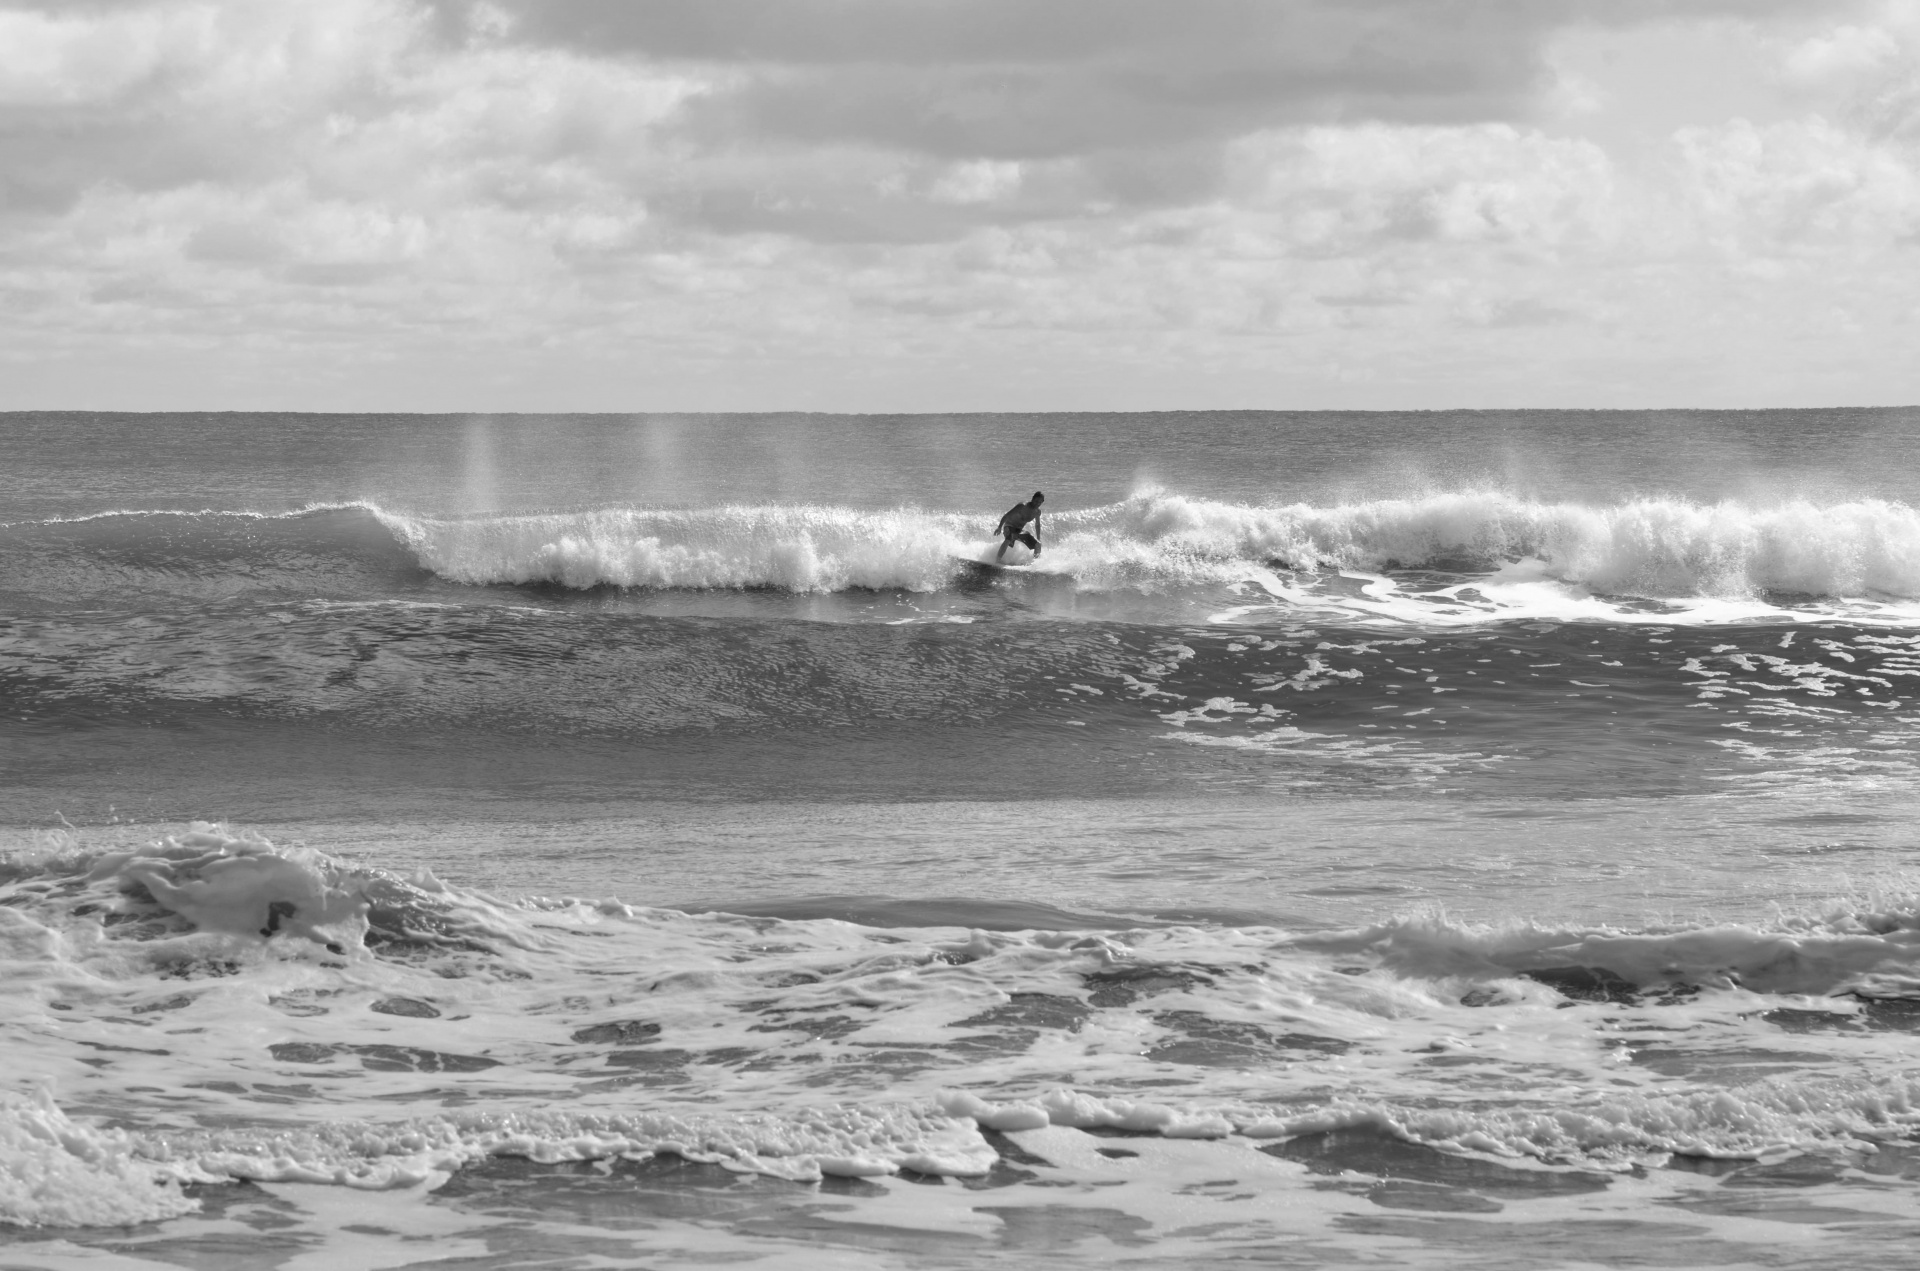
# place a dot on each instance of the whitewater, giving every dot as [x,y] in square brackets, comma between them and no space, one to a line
[1453,839]
[1652,548]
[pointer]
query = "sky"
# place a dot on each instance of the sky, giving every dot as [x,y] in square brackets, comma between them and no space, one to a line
[957,205]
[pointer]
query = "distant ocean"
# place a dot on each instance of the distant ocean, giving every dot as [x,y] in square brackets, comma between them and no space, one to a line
[1452,839]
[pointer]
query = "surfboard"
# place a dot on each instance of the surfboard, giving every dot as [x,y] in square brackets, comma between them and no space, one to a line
[993,566]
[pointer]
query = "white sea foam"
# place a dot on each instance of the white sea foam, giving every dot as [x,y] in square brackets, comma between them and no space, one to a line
[1767,1119]
[411,1028]
[797,548]
[55,1172]
[1509,555]
[1838,953]
[1664,549]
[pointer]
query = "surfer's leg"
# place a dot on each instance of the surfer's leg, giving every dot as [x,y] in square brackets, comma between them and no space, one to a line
[1005,543]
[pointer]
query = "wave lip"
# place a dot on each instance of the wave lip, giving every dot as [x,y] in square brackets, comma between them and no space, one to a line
[1660,548]
[798,549]
[132,556]
[1841,954]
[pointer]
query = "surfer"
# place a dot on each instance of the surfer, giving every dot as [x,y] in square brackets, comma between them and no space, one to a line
[1011,526]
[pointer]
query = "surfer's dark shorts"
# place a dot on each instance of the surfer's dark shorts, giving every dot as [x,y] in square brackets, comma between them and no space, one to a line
[1028,539]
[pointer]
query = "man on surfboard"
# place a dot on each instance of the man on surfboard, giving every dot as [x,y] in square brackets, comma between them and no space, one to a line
[1015,521]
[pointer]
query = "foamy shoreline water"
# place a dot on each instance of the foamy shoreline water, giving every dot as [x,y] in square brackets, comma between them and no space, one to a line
[1329,1047]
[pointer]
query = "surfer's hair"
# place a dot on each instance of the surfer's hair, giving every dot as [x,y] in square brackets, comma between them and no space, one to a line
[1039,497]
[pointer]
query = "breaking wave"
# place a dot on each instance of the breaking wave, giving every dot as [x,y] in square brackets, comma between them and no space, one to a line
[1653,548]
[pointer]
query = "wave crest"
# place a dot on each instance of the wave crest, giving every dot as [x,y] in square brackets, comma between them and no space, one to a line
[1660,549]
[1665,549]
[794,548]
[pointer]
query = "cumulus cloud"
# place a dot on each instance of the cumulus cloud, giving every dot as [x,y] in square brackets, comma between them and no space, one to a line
[1866,71]
[1845,51]
[565,190]
[1800,187]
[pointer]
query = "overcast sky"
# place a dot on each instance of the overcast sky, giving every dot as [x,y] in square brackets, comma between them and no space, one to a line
[935,205]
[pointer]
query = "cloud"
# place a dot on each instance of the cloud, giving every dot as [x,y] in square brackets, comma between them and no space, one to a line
[979,181]
[1866,71]
[1346,190]
[1799,187]
[1012,79]
[700,186]
[1845,51]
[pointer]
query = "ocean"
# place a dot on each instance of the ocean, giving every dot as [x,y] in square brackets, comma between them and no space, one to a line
[1429,839]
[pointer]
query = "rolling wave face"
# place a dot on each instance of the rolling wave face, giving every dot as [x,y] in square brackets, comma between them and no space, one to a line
[870,704]
[131,559]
